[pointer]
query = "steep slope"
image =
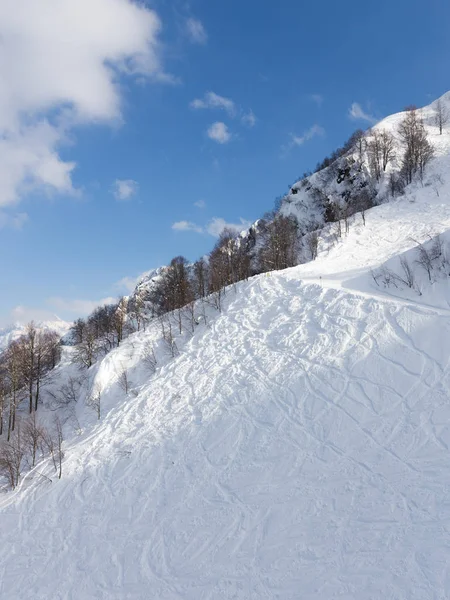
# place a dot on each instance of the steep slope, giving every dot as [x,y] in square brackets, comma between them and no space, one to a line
[339,186]
[298,447]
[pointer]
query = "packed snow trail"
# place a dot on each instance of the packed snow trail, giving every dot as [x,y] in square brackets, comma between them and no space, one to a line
[297,448]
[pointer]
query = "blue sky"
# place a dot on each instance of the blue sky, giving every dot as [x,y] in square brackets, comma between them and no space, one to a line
[132,135]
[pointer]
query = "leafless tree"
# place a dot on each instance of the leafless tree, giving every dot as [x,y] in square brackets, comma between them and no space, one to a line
[12,454]
[408,273]
[437,182]
[167,335]
[279,249]
[375,154]
[94,399]
[59,444]
[200,278]
[387,143]
[32,436]
[417,149]
[312,243]
[86,352]
[424,259]
[149,357]
[123,379]
[441,115]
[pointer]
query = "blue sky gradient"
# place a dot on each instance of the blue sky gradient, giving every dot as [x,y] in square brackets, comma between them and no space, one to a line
[298,66]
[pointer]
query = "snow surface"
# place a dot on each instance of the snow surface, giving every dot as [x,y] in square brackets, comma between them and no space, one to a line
[297,448]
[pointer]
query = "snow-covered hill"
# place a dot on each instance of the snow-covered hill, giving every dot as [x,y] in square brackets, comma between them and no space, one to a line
[8,334]
[340,185]
[296,445]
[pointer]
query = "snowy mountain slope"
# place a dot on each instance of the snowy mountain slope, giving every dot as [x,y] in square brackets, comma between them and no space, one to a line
[8,334]
[296,448]
[341,182]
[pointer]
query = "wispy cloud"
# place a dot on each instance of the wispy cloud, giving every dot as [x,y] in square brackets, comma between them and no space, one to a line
[127,284]
[212,100]
[317,98]
[299,140]
[217,225]
[214,227]
[15,221]
[196,31]
[125,189]
[219,132]
[200,204]
[357,113]
[187,226]
[78,307]
[249,119]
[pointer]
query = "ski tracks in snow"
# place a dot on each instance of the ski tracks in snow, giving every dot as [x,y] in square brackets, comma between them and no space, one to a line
[297,448]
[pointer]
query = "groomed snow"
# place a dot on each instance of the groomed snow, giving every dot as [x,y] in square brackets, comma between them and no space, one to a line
[297,448]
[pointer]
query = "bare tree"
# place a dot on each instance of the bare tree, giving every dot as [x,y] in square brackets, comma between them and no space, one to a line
[66,394]
[387,144]
[417,149]
[200,278]
[123,379]
[87,351]
[94,399]
[424,259]
[312,243]
[32,436]
[149,357]
[408,273]
[279,249]
[11,457]
[58,445]
[437,181]
[375,154]
[441,115]
[167,335]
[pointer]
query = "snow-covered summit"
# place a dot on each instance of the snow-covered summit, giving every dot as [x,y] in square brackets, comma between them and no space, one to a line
[338,185]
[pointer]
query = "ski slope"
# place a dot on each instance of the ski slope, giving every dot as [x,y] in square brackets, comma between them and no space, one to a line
[297,448]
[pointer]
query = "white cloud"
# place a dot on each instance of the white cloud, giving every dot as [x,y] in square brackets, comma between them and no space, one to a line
[213,100]
[60,66]
[200,204]
[125,189]
[219,132]
[196,32]
[128,284]
[187,226]
[317,98]
[299,140]
[78,307]
[357,113]
[249,119]
[312,132]
[214,227]
[217,225]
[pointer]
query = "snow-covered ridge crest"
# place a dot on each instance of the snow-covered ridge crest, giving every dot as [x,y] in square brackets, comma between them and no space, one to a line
[338,185]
